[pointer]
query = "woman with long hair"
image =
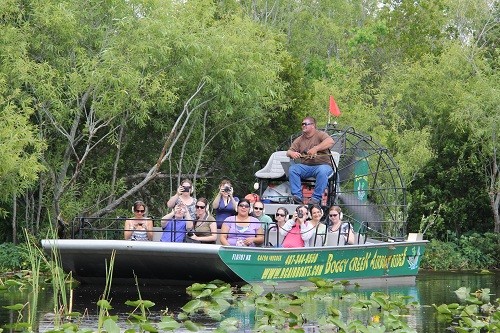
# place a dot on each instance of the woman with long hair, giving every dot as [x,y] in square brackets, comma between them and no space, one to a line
[204,228]
[184,197]
[344,228]
[224,202]
[317,231]
[140,227]
[242,229]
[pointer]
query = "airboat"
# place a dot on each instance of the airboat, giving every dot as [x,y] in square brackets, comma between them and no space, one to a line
[366,184]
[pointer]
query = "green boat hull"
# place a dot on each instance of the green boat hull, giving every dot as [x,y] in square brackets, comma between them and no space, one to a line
[368,261]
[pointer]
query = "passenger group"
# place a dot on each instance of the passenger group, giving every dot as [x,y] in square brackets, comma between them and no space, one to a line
[244,222]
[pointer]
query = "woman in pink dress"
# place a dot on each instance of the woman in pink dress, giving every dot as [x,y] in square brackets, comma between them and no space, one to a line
[296,229]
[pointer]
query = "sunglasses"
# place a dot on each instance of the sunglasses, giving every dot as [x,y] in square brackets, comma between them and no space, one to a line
[200,207]
[139,210]
[244,206]
[258,208]
[307,124]
[334,215]
[282,215]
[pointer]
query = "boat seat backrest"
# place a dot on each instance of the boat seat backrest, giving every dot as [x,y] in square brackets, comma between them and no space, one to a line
[274,167]
[334,239]
[318,240]
[360,238]
[274,239]
[335,157]
[157,233]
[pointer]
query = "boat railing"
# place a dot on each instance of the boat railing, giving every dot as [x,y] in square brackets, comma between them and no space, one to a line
[274,238]
[114,228]
[363,233]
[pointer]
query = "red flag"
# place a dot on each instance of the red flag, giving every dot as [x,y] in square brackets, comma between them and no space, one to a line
[334,109]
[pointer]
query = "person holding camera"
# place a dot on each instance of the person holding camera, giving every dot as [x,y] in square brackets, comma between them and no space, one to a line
[295,230]
[204,228]
[174,225]
[139,228]
[183,197]
[224,203]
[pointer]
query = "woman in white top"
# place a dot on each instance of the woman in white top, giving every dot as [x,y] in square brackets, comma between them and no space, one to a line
[317,231]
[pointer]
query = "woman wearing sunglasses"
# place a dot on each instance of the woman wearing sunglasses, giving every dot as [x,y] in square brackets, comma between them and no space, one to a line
[335,224]
[204,228]
[242,229]
[139,228]
[281,216]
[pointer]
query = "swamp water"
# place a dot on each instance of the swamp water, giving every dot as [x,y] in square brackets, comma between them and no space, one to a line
[431,287]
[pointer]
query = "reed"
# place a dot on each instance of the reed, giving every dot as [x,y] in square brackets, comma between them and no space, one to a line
[35,262]
[103,303]
[59,281]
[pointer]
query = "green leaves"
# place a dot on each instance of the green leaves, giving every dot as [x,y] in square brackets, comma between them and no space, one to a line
[476,313]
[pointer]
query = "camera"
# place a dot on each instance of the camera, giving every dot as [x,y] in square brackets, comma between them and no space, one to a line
[299,213]
[186,188]
[227,188]
[190,233]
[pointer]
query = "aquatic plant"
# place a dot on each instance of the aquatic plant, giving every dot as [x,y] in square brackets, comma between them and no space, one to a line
[344,308]
[106,322]
[475,312]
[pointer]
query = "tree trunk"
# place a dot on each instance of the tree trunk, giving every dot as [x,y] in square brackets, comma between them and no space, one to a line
[14,218]
[494,184]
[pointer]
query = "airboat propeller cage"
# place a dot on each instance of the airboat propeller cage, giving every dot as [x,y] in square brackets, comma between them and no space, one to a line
[366,183]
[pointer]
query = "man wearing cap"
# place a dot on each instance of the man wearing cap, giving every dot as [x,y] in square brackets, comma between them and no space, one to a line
[311,155]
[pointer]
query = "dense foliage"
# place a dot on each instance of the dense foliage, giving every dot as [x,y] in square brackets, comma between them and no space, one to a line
[104,103]
[13,258]
[467,252]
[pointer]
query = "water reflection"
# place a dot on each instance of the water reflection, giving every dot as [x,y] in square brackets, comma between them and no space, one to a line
[431,287]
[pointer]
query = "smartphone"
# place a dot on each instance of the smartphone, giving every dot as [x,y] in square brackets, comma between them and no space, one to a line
[299,213]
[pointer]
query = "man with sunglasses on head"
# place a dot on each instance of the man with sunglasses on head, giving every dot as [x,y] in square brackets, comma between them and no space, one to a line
[258,213]
[311,155]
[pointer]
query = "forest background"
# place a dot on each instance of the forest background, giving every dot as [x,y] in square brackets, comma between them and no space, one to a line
[107,102]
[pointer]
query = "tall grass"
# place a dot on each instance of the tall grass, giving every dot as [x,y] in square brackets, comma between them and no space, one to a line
[104,322]
[35,262]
